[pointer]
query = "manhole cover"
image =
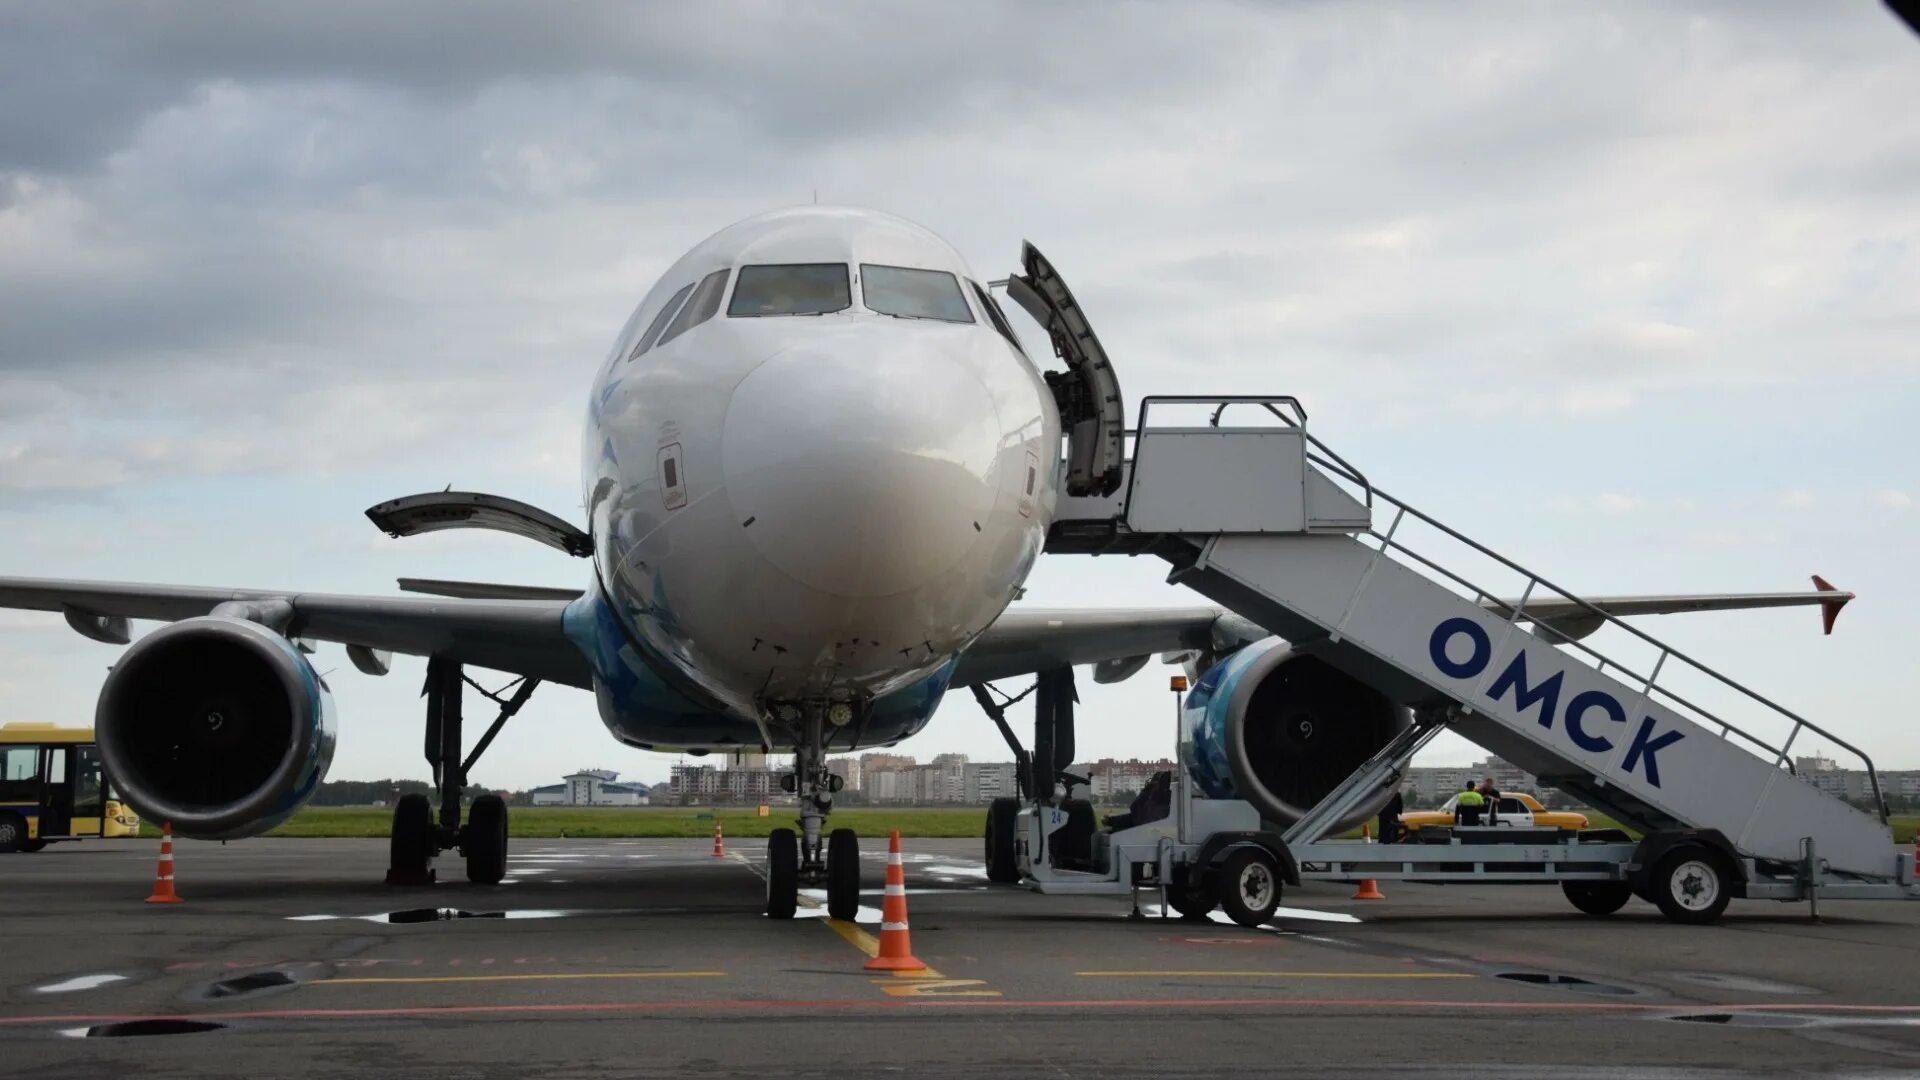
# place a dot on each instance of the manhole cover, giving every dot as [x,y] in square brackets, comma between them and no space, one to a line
[163,1026]
[1565,982]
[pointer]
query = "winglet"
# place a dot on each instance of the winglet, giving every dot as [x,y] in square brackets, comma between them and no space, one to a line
[1829,609]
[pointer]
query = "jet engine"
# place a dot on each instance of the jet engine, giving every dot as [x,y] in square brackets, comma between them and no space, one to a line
[1281,730]
[216,724]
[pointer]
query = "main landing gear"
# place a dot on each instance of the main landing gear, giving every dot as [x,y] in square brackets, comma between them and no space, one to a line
[813,855]
[417,836]
[1039,777]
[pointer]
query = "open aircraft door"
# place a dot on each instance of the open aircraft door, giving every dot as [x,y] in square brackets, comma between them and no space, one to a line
[1088,394]
[436,510]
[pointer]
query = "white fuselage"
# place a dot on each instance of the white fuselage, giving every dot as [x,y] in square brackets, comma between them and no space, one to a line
[811,507]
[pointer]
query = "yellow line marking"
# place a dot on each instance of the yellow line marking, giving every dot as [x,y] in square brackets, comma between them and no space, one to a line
[924,982]
[855,936]
[524,978]
[1286,974]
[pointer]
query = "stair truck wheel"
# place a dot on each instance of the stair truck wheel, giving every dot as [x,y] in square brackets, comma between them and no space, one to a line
[783,874]
[1691,884]
[1190,895]
[410,845]
[1248,886]
[843,874]
[485,840]
[1002,830]
[1597,897]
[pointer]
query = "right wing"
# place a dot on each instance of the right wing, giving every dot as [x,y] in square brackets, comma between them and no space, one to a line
[523,637]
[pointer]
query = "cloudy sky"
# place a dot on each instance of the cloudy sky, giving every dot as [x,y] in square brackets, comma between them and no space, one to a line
[1632,294]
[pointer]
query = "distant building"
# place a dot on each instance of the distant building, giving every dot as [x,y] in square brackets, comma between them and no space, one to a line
[591,787]
[1431,785]
[1109,778]
[711,784]
[990,780]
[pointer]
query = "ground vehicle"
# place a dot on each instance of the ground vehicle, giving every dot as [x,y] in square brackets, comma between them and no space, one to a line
[1515,808]
[55,787]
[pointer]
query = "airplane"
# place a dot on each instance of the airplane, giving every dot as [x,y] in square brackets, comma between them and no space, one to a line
[818,466]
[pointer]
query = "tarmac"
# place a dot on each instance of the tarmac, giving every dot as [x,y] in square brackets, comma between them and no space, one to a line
[650,957]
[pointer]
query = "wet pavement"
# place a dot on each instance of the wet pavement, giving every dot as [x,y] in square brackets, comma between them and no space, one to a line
[650,957]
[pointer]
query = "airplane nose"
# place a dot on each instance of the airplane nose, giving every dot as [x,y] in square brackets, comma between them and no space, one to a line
[861,470]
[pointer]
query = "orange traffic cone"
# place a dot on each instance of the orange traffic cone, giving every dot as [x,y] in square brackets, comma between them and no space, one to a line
[719,849]
[163,878]
[896,947]
[1369,889]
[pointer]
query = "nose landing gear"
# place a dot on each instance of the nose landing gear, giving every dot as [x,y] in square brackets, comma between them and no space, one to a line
[813,856]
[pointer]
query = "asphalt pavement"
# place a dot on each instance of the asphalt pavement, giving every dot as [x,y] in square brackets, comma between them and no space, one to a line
[650,957]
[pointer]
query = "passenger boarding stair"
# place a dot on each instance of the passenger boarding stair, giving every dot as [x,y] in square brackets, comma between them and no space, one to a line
[1268,522]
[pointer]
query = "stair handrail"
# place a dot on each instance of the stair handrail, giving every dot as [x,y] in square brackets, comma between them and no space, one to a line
[1650,682]
[1326,458]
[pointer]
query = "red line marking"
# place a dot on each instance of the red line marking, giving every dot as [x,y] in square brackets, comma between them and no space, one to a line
[847,1005]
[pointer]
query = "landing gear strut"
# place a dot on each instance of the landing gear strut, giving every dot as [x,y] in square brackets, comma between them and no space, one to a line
[418,835]
[1039,776]
[821,858]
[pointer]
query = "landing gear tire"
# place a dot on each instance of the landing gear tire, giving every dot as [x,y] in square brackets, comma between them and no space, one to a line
[410,851]
[843,875]
[1248,886]
[1691,884]
[13,833]
[486,840]
[1003,822]
[1192,900]
[783,874]
[1597,897]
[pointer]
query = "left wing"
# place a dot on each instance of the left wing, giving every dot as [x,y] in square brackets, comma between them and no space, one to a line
[1574,621]
[523,637]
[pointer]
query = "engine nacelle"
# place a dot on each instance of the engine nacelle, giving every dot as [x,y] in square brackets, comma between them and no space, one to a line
[1280,730]
[217,725]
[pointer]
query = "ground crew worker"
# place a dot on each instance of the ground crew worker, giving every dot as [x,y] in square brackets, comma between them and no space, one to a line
[1467,805]
[1490,799]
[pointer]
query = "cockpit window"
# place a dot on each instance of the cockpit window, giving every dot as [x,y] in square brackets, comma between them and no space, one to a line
[660,322]
[997,317]
[913,294]
[791,289]
[705,301]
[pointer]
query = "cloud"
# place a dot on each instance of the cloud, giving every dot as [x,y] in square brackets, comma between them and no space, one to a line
[1893,500]
[273,247]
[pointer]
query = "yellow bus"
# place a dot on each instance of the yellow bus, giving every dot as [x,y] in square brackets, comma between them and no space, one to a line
[55,787]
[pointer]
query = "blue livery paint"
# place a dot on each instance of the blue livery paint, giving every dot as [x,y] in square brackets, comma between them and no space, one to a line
[641,708]
[1205,714]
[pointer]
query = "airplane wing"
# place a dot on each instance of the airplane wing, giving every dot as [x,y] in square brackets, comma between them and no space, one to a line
[1117,641]
[1120,641]
[522,637]
[1574,621]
